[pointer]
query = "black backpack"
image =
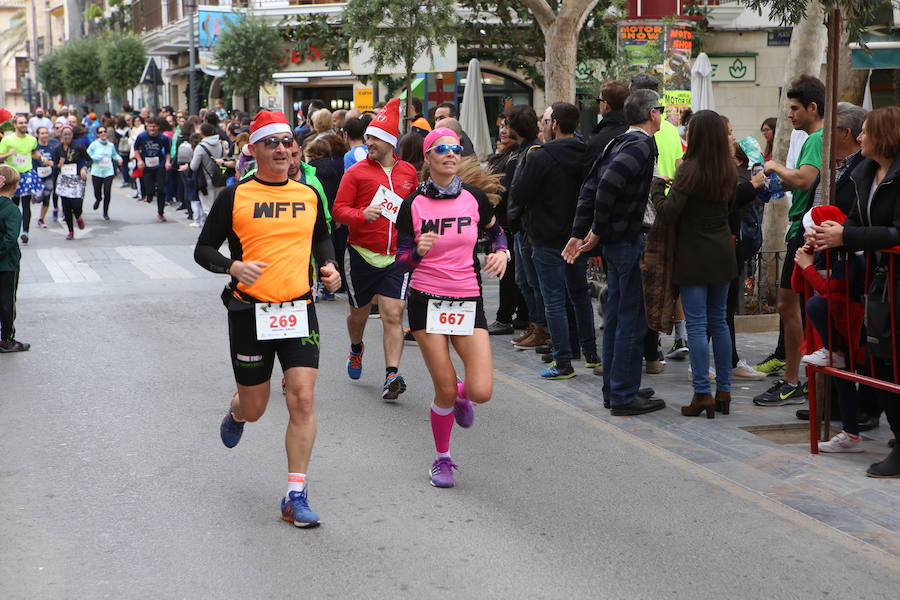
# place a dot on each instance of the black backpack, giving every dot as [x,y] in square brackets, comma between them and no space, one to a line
[217,177]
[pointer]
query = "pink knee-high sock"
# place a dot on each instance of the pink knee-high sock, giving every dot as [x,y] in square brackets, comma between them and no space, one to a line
[441,426]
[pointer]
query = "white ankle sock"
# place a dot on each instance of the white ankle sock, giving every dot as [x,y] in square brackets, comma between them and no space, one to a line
[441,411]
[296,483]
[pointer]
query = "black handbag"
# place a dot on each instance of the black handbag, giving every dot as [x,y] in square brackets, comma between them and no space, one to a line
[878,313]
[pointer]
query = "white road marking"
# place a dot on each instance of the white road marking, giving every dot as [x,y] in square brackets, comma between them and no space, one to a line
[64,265]
[153,264]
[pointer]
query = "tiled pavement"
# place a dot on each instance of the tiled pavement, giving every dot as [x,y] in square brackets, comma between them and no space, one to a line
[832,489]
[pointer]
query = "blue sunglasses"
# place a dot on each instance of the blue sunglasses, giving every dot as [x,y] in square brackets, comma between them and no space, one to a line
[445,148]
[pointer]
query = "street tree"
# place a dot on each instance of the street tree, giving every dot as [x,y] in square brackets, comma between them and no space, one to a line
[506,32]
[80,65]
[122,59]
[249,51]
[561,30]
[399,32]
[49,72]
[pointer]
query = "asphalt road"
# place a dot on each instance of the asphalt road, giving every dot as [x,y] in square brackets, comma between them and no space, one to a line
[114,483]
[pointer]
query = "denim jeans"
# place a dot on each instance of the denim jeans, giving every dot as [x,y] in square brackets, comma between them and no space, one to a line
[704,309]
[527,280]
[626,322]
[556,278]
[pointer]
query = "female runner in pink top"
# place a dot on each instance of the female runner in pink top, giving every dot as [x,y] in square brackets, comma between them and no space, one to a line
[438,227]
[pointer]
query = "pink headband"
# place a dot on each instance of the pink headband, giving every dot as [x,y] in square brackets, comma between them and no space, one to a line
[434,135]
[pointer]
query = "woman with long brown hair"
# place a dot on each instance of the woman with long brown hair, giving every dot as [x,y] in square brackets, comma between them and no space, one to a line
[699,205]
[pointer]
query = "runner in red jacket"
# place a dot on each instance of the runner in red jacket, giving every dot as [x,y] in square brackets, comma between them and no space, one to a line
[367,203]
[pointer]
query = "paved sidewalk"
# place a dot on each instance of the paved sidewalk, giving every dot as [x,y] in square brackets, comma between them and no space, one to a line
[832,489]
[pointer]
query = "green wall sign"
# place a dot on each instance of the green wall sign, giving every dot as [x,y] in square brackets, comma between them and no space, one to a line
[733,68]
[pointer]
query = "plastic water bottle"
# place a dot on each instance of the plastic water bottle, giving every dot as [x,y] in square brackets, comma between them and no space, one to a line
[775,187]
[763,194]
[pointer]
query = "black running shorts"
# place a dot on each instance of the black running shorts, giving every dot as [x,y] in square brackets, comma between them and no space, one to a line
[417,309]
[253,360]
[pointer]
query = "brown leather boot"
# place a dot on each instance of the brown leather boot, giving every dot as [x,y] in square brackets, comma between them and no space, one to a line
[539,337]
[723,402]
[528,331]
[699,403]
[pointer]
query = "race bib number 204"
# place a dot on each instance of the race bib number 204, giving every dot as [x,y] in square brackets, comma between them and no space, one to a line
[450,317]
[279,321]
[388,202]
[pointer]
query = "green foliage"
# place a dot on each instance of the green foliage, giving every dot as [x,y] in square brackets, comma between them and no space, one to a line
[122,60]
[80,66]
[315,37]
[49,72]
[249,51]
[790,12]
[517,42]
[15,35]
[399,31]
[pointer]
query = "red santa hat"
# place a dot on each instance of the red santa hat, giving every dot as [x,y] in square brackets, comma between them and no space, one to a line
[820,214]
[386,126]
[268,123]
[5,115]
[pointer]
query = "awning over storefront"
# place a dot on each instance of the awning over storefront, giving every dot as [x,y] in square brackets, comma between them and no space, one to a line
[880,55]
[881,50]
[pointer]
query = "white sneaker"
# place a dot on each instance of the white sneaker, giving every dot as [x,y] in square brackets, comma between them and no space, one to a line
[195,224]
[842,442]
[744,371]
[711,375]
[820,358]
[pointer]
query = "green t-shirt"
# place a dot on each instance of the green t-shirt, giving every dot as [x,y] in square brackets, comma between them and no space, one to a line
[810,154]
[24,146]
[668,144]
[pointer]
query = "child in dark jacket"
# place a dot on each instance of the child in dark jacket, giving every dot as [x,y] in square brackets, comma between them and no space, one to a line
[10,222]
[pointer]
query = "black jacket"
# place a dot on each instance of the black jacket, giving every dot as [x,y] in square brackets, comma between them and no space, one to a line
[877,226]
[545,191]
[612,124]
[514,221]
[844,195]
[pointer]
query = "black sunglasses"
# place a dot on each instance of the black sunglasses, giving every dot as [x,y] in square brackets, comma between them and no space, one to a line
[272,142]
[661,109]
[599,100]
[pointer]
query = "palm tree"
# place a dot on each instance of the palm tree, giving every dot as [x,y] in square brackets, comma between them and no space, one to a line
[15,35]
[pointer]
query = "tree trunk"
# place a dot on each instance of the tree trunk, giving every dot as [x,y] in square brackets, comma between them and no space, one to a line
[560,51]
[852,81]
[560,44]
[805,57]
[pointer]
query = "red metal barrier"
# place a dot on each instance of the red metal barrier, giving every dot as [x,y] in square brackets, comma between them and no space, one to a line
[849,372]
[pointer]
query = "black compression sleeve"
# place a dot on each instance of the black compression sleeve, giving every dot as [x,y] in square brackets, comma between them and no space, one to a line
[323,248]
[215,232]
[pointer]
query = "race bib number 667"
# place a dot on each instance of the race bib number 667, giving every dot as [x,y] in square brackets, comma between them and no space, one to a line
[450,317]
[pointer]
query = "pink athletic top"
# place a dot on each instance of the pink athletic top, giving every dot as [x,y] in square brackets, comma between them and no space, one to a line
[448,269]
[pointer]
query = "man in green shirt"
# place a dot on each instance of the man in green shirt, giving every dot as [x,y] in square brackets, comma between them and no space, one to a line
[807,109]
[19,150]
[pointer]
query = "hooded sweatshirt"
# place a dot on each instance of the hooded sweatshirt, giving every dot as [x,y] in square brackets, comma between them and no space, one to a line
[545,189]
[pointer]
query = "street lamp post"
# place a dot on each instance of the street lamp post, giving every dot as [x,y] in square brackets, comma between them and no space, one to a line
[192,54]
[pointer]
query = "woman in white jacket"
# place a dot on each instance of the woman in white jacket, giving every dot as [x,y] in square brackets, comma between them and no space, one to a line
[204,164]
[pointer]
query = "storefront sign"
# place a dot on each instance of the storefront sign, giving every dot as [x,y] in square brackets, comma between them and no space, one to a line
[363,98]
[733,68]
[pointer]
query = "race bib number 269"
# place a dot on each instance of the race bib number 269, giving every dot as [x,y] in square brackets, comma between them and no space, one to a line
[279,321]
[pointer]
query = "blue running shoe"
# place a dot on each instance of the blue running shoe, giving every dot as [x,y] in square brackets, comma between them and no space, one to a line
[394,385]
[557,372]
[464,409]
[442,473]
[231,430]
[295,509]
[354,363]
